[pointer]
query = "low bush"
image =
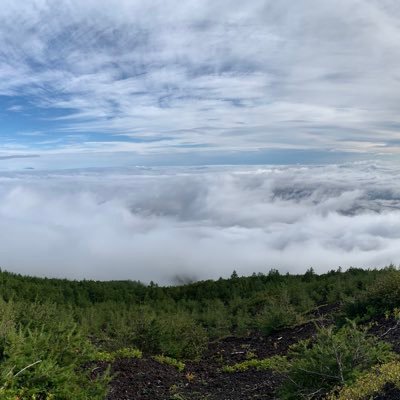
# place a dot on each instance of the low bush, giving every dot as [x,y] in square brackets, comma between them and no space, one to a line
[36,363]
[278,313]
[370,383]
[276,363]
[333,358]
[179,365]
[181,337]
[125,352]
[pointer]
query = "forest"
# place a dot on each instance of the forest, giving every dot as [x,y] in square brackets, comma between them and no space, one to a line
[265,336]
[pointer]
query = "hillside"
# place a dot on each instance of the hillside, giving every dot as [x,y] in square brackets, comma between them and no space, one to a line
[267,336]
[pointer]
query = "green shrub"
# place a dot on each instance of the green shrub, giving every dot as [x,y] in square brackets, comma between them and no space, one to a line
[143,330]
[126,352]
[180,337]
[276,363]
[383,295]
[278,313]
[370,383]
[179,365]
[332,359]
[45,364]
[217,318]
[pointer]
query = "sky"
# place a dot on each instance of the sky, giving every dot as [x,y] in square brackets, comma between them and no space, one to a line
[181,140]
[121,83]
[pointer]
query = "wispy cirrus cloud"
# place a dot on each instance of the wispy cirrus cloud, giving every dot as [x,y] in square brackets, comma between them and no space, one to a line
[216,76]
[10,157]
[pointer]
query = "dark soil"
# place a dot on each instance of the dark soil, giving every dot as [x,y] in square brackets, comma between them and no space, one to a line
[141,379]
[146,379]
[238,386]
[387,329]
[232,350]
[390,393]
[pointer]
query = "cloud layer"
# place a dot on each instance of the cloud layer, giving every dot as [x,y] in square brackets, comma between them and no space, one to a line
[197,223]
[203,76]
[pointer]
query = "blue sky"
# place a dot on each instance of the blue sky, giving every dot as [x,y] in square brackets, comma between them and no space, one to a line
[107,83]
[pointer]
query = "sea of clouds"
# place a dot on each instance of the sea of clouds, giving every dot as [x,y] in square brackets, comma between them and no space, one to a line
[174,224]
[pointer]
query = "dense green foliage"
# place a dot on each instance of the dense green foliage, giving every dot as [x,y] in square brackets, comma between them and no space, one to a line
[40,353]
[335,358]
[382,295]
[50,328]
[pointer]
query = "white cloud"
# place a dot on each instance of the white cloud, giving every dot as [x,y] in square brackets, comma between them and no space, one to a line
[158,223]
[228,74]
